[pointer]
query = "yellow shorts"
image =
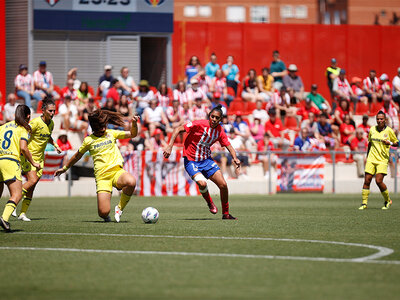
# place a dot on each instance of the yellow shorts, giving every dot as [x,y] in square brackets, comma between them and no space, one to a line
[109,180]
[10,169]
[375,168]
[27,167]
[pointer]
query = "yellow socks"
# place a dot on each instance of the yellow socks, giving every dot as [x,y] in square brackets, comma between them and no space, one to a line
[123,201]
[385,195]
[365,194]
[10,206]
[25,205]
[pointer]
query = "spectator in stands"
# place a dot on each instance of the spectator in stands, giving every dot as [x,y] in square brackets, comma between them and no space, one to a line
[9,108]
[342,88]
[274,128]
[143,96]
[302,139]
[364,125]
[69,90]
[154,117]
[357,90]
[180,92]
[219,85]
[226,124]
[43,82]
[326,133]
[175,114]
[265,145]
[73,74]
[372,88]
[212,66]
[194,92]
[125,109]
[156,142]
[396,87]
[260,113]
[63,142]
[241,127]
[216,100]
[70,117]
[83,93]
[187,113]
[238,144]
[257,130]
[385,85]
[109,105]
[105,80]
[231,72]
[294,84]
[281,103]
[347,130]
[200,110]
[192,68]
[113,92]
[278,70]
[317,98]
[250,89]
[332,72]
[391,112]
[126,82]
[24,86]
[311,124]
[360,144]
[163,96]
[205,83]
[340,112]
[306,109]
[265,83]
[89,108]
[138,142]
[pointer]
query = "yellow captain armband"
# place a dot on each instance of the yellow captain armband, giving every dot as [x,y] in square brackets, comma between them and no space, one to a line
[65,168]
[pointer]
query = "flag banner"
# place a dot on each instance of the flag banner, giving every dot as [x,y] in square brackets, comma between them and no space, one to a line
[300,173]
[52,162]
[158,176]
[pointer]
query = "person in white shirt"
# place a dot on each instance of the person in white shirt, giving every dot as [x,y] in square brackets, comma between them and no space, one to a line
[154,117]
[9,108]
[24,86]
[70,119]
[127,83]
[43,81]
[396,87]
[260,113]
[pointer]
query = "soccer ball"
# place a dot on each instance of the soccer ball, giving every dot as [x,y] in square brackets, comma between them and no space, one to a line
[150,215]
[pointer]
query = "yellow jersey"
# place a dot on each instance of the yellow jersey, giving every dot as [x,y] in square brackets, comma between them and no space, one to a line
[104,151]
[267,84]
[41,133]
[10,136]
[379,152]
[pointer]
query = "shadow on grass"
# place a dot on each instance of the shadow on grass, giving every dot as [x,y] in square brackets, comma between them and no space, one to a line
[100,221]
[38,219]
[12,231]
[199,219]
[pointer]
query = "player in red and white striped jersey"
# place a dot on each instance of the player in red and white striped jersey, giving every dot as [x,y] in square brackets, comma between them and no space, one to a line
[201,135]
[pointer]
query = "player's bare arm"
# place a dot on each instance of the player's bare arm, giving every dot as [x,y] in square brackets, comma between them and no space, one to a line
[134,128]
[175,133]
[387,142]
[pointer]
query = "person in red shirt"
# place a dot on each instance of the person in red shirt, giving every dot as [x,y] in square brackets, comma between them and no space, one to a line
[360,144]
[346,130]
[63,142]
[201,135]
[364,125]
[113,91]
[274,128]
[265,145]
[69,90]
[305,109]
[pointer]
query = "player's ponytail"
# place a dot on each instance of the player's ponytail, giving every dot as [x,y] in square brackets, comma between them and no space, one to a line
[218,108]
[21,116]
[47,101]
[100,118]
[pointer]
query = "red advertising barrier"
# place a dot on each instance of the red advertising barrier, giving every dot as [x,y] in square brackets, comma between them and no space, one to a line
[3,50]
[357,48]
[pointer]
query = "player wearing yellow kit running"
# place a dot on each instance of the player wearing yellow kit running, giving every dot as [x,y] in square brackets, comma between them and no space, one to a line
[42,127]
[380,138]
[14,141]
[108,161]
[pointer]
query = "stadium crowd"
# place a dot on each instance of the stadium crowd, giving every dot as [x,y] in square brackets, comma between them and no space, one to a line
[263,111]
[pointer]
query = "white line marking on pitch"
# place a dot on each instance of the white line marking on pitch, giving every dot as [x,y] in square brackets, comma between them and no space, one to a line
[382,251]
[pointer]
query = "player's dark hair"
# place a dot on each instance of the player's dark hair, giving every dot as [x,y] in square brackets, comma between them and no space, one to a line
[381,113]
[47,101]
[100,118]
[218,108]
[21,114]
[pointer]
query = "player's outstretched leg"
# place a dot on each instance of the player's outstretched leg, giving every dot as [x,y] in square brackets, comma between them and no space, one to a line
[27,192]
[201,182]
[128,184]
[219,180]
[365,191]
[15,188]
[384,191]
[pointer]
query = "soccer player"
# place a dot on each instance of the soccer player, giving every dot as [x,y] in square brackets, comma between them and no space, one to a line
[13,141]
[198,163]
[380,138]
[108,161]
[42,127]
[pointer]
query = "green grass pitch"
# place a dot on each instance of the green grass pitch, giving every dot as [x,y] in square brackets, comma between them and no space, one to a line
[254,273]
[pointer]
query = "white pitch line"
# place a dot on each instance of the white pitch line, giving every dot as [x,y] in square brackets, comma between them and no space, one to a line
[382,251]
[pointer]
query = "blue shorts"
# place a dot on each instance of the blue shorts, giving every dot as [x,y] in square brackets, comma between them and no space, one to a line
[207,167]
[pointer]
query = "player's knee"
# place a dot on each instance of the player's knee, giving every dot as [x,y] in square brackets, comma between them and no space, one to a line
[223,185]
[131,182]
[379,181]
[202,184]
